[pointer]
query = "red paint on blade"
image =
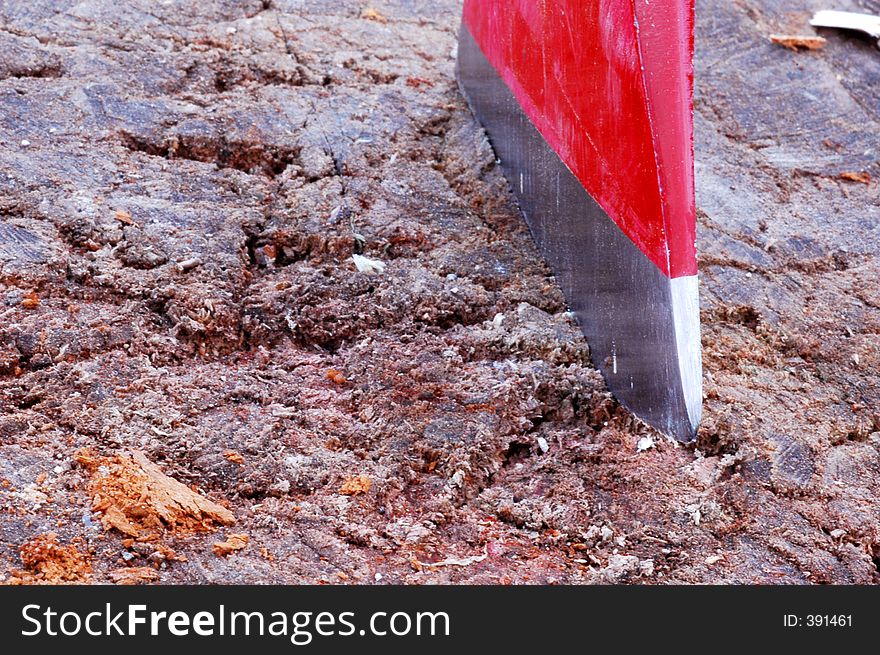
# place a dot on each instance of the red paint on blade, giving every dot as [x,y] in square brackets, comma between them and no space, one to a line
[609,84]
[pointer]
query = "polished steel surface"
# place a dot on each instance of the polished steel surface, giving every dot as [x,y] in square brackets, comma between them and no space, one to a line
[642,327]
[846,20]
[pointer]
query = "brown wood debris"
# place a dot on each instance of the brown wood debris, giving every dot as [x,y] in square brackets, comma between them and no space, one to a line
[233,543]
[136,498]
[796,42]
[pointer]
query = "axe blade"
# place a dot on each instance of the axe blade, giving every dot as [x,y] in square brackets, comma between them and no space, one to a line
[588,105]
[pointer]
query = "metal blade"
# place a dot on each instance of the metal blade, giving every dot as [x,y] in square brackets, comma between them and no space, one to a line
[846,20]
[642,326]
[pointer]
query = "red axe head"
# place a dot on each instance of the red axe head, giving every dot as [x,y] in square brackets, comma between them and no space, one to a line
[588,104]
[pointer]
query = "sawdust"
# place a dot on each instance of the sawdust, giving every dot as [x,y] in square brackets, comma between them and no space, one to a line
[46,561]
[233,543]
[136,498]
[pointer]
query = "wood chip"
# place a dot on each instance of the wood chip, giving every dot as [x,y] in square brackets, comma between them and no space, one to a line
[235,457]
[367,265]
[795,42]
[31,300]
[136,498]
[134,575]
[355,485]
[233,543]
[124,217]
[371,14]
[335,376]
[853,176]
[456,561]
[188,264]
